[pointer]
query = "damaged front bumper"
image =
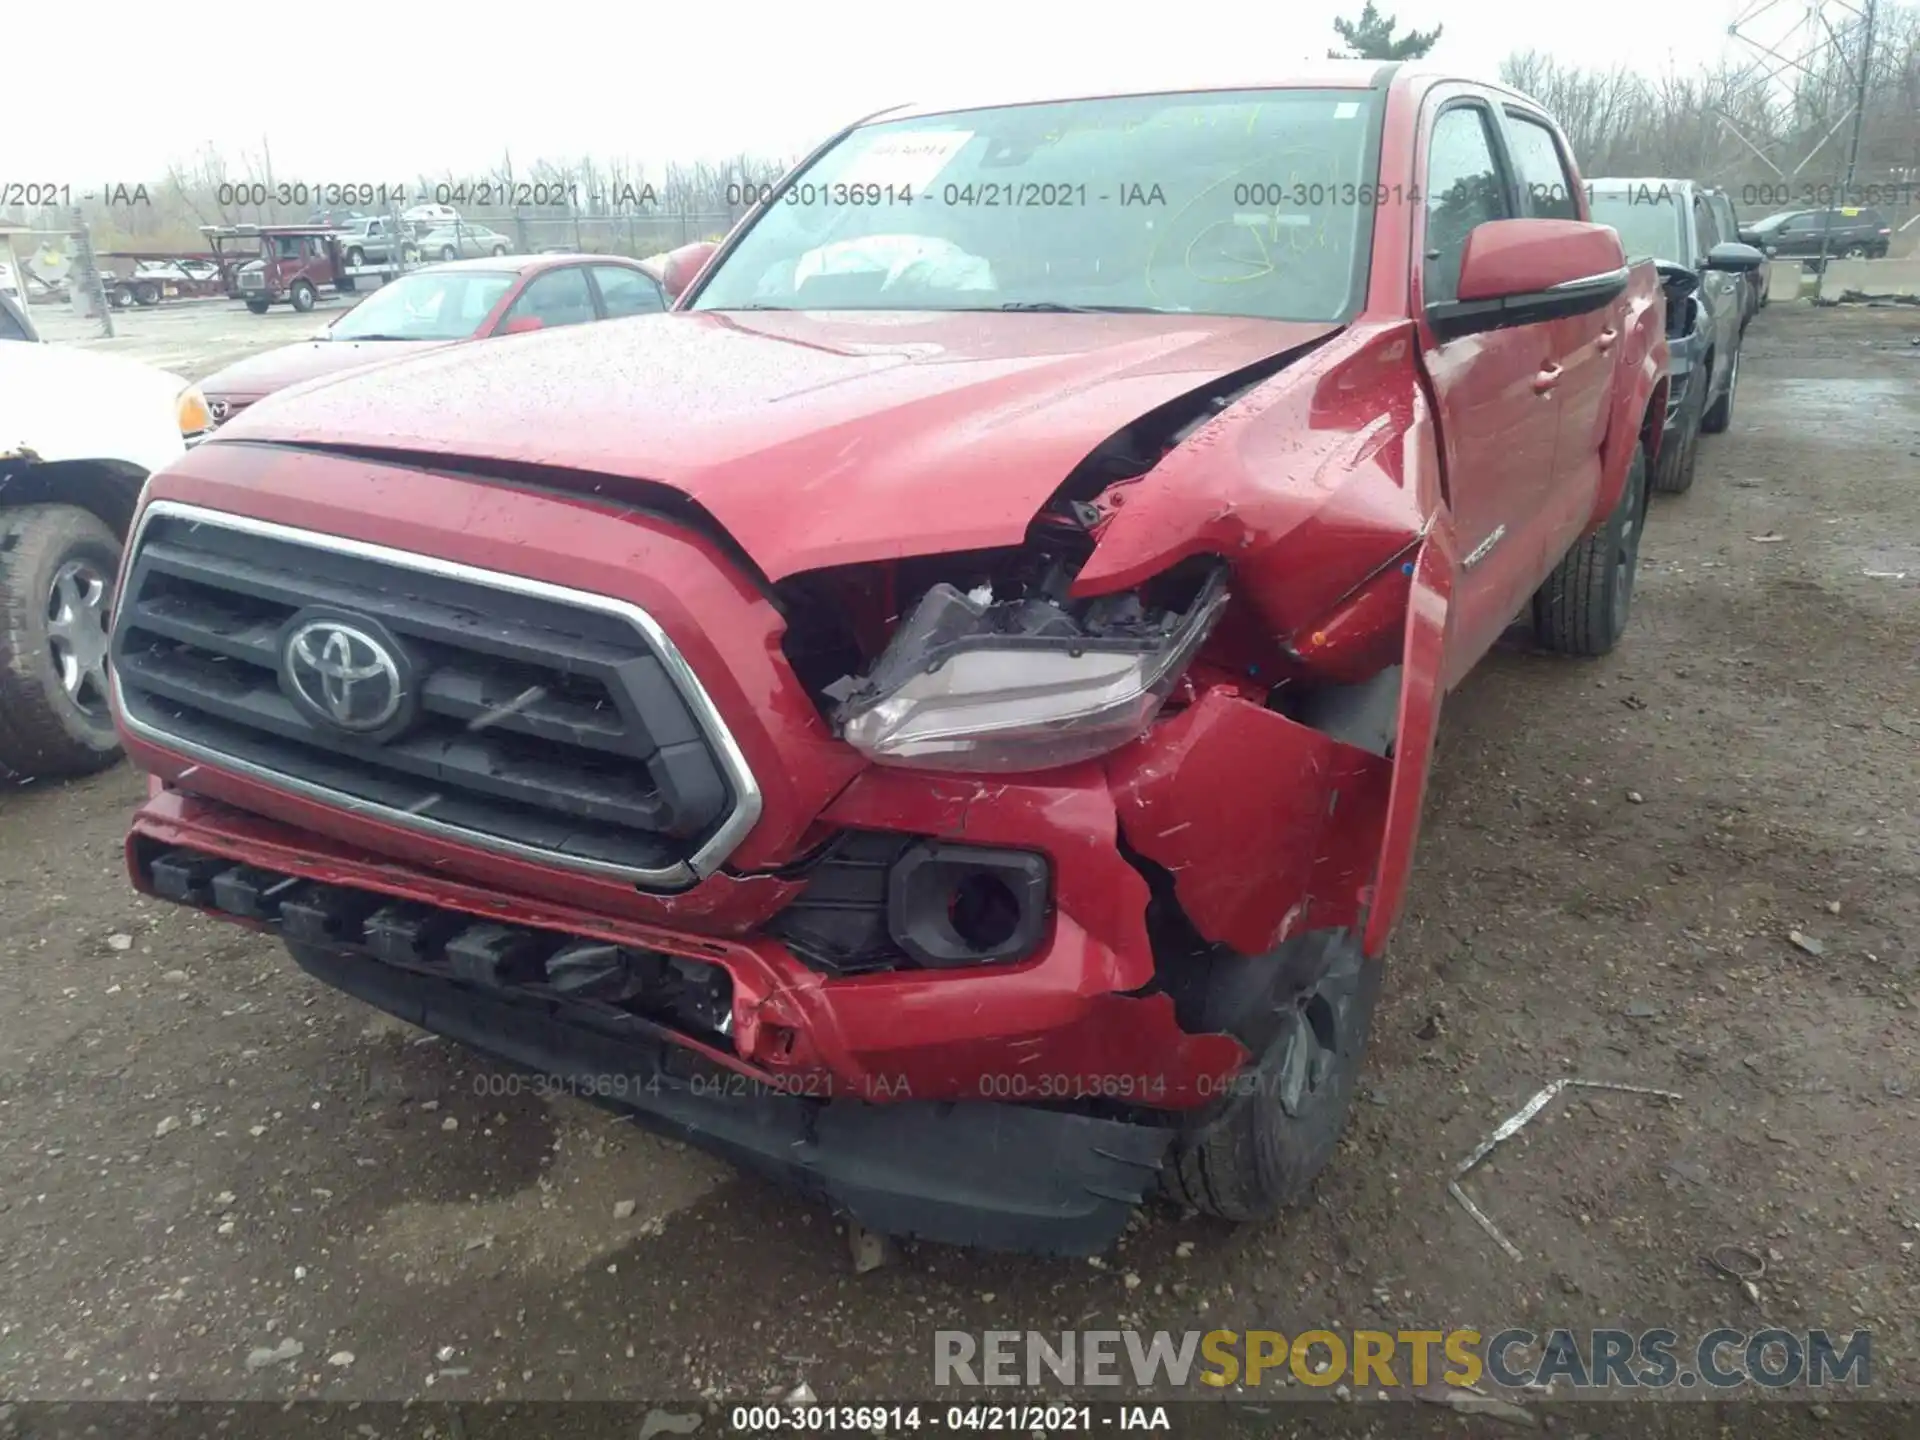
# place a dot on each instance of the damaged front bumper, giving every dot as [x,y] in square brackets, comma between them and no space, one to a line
[988,1174]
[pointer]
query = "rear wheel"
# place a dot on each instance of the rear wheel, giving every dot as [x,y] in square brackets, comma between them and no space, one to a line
[1854,252]
[1673,474]
[499,249]
[446,252]
[146,293]
[1582,608]
[56,604]
[1260,1149]
[302,295]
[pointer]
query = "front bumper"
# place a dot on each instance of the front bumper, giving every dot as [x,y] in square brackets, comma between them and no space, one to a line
[984,1174]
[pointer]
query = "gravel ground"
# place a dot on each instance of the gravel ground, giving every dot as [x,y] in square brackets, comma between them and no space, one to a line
[219,1180]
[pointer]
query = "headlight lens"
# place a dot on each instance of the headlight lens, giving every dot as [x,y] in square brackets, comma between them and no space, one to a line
[949,694]
[191,410]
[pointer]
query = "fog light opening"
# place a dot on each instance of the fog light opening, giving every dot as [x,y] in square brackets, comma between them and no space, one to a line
[984,912]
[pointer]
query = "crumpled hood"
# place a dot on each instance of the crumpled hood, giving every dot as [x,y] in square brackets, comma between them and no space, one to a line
[815,439]
[259,375]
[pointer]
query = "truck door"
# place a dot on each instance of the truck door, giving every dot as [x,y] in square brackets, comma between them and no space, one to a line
[1496,393]
[1584,344]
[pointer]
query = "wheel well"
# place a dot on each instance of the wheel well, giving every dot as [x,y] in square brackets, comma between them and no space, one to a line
[108,488]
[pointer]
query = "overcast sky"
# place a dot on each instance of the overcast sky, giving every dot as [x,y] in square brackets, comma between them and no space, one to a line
[448,88]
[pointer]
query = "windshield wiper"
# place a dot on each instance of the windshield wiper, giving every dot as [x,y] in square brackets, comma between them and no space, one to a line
[375,337]
[1055,307]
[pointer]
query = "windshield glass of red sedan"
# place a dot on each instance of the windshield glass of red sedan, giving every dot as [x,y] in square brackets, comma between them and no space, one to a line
[427,305]
[1228,203]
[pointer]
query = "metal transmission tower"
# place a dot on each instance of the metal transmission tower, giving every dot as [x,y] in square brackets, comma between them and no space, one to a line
[1796,47]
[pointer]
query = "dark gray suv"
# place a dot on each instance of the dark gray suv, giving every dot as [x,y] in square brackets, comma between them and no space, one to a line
[1853,232]
[1672,223]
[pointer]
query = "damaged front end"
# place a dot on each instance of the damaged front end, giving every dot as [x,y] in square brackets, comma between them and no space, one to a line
[1215,651]
[1056,836]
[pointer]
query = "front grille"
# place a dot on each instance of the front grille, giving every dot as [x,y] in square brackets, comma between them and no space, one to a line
[537,721]
[253,280]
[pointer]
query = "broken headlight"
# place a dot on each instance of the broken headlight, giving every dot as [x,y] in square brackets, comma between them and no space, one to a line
[967,684]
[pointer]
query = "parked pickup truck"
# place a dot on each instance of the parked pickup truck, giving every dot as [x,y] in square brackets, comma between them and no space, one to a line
[943,713]
[80,431]
[375,239]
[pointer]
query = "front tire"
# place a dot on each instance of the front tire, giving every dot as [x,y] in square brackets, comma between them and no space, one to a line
[302,295]
[56,604]
[1583,607]
[258,307]
[1259,1151]
[499,250]
[1720,414]
[446,252]
[1673,475]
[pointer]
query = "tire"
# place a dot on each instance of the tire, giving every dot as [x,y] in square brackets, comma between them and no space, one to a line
[1673,474]
[346,285]
[356,256]
[302,296]
[499,249]
[146,294]
[119,297]
[1720,414]
[1584,605]
[1854,252]
[258,307]
[54,716]
[446,252]
[1259,1151]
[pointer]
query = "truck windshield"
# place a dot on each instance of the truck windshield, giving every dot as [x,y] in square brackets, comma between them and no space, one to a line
[427,305]
[1648,219]
[1231,203]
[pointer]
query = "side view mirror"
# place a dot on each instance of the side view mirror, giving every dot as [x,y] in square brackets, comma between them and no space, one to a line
[1735,256]
[683,265]
[1521,272]
[523,324]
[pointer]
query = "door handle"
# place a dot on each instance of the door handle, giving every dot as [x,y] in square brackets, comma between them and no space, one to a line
[1606,338]
[1546,379]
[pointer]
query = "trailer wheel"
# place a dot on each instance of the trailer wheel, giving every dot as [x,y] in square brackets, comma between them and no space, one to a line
[302,295]
[145,292]
[56,602]
[356,256]
[258,307]
[119,297]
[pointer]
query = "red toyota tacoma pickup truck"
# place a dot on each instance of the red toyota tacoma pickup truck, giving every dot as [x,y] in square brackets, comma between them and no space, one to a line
[941,715]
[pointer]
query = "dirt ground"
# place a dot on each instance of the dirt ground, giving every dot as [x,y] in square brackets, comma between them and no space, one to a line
[204,1154]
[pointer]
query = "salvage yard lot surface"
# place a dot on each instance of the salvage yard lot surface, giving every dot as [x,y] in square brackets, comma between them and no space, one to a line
[204,1154]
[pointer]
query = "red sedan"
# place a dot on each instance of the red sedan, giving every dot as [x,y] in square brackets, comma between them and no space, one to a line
[444,305]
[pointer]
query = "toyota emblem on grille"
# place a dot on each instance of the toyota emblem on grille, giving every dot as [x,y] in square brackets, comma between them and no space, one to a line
[345,674]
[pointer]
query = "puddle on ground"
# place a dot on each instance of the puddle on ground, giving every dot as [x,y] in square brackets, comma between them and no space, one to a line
[1834,410]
